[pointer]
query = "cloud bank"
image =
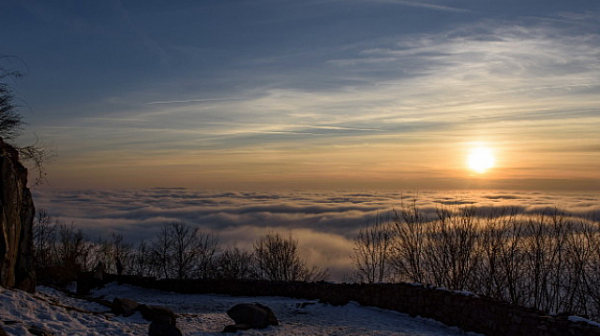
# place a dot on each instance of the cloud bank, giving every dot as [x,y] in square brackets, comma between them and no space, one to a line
[325,223]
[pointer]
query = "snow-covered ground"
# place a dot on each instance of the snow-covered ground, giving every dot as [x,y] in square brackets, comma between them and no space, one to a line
[200,315]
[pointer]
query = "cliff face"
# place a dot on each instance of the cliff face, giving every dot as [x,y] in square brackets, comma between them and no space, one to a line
[16,223]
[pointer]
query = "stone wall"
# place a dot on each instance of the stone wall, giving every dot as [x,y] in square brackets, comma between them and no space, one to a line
[16,223]
[468,312]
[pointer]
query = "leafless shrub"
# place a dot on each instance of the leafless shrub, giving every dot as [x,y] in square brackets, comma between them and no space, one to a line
[409,245]
[11,122]
[316,274]
[140,263]
[10,118]
[372,252]
[451,252]
[160,250]
[60,251]
[548,261]
[44,238]
[591,278]
[185,248]
[278,259]
[180,251]
[235,264]
[111,252]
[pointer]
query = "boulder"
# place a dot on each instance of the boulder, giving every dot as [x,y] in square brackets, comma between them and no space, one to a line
[125,307]
[86,282]
[305,304]
[235,327]
[255,315]
[163,329]
[16,223]
[37,331]
[157,314]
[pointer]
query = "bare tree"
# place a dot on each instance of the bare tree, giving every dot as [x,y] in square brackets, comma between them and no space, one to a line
[494,231]
[161,252]
[372,252]
[180,251]
[112,252]
[460,237]
[208,246]
[316,274]
[235,264]
[140,264]
[592,275]
[408,250]
[121,252]
[579,251]
[185,248]
[10,118]
[278,259]
[44,238]
[74,252]
[11,123]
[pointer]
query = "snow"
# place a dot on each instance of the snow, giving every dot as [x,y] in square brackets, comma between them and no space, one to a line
[46,310]
[200,315]
[574,318]
[466,293]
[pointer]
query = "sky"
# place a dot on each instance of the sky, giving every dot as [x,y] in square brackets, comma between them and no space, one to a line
[315,94]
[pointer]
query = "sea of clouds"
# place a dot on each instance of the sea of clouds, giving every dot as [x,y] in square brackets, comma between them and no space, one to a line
[324,223]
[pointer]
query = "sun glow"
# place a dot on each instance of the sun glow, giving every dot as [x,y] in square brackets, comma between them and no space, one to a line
[481,159]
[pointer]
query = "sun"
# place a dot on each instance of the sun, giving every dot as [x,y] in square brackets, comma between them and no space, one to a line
[481,159]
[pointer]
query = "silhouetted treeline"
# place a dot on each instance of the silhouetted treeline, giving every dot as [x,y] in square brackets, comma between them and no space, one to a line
[178,251]
[550,262]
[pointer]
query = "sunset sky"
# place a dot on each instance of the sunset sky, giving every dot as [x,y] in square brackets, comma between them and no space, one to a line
[333,94]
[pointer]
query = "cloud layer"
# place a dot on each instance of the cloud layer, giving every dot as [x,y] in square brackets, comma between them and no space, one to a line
[325,223]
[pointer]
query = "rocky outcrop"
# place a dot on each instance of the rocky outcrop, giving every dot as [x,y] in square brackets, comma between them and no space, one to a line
[16,223]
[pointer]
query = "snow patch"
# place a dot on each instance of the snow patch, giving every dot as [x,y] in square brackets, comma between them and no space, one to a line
[574,318]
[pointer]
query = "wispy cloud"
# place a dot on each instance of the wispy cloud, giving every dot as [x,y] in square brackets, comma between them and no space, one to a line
[422,4]
[151,44]
[186,101]
[528,86]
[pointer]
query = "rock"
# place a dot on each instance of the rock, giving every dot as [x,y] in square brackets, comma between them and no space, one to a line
[235,327]
[335,300]
[16,223]
[163,329]
[3,332]
[255,315]
[305,304]
[125,307]
[37,331]
[86,282]
[157,314]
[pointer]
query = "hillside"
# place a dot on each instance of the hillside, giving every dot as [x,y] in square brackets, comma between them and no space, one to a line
[60,314]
